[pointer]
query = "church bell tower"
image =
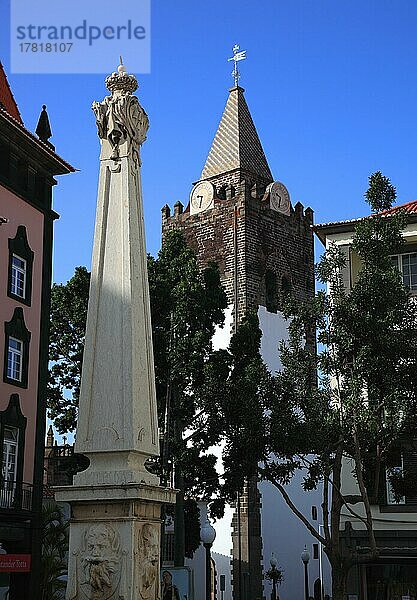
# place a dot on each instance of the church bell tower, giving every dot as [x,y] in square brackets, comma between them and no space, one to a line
[240,218]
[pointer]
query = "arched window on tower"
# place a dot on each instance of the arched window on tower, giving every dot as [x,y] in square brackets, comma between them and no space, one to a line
[271,292]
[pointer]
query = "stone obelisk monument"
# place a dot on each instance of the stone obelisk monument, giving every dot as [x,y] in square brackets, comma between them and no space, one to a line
[116,502]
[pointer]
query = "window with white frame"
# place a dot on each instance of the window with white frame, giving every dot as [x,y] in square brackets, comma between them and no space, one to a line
[15,359]
[16,350]
[9,463]
[407,265]
[18,276]
[9,466]
[19,286]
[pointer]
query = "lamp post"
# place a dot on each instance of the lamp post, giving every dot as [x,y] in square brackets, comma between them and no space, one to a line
[273,573]
[207,536]
[305,557]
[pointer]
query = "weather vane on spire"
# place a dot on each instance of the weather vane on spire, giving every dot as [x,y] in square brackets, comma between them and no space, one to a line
[237,56]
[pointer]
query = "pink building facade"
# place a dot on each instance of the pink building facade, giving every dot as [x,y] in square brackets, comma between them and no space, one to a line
[28,165]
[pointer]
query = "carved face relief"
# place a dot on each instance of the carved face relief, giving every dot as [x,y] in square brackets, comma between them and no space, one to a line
[148,560]
[100,562]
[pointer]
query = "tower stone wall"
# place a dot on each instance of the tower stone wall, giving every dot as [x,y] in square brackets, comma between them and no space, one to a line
[263,251]
[246,238]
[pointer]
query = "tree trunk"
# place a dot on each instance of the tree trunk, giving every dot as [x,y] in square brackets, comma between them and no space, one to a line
[339,581]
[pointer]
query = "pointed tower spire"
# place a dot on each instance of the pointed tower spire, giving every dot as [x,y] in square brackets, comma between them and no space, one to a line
[236,144]
[43,128]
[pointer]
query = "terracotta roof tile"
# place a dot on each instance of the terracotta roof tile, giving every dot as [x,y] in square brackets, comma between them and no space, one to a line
[7,100]
[42,145]
[10,112]
[408,207]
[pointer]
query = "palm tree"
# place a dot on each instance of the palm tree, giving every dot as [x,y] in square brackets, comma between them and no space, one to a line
[54,560]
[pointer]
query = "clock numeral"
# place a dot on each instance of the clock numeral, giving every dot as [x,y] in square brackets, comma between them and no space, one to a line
[201,196]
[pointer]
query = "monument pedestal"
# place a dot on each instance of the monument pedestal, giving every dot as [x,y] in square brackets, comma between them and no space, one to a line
[114,541]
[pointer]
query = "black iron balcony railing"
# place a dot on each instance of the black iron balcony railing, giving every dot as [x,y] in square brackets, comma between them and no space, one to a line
[16,495]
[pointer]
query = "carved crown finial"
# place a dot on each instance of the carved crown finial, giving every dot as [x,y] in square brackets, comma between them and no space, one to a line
[121,81]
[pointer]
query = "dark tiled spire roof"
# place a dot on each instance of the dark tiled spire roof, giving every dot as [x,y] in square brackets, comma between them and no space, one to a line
[7,100]
[236,144]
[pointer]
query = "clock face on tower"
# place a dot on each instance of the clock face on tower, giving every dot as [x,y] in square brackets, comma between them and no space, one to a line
[202,197]
[279,198]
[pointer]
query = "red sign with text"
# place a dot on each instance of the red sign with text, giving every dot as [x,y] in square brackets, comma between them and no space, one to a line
[15,563]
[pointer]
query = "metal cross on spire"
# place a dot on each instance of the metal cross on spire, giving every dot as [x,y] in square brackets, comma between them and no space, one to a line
[237,56]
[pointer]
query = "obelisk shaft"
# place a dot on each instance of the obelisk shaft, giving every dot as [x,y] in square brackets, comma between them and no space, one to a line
[118,427]
[115,503]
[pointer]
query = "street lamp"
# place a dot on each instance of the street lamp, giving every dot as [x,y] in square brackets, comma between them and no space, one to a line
[274,575]
[305,557]
[207,536]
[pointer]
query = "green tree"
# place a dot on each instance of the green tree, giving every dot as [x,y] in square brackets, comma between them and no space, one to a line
[236,388]
[187,304]
[54,559]
[66,346]
[345,410]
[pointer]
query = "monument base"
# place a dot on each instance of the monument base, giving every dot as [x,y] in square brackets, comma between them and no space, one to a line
[114,547]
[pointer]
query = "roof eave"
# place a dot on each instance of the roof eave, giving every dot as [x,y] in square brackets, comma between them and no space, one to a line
[56,164]
[323,230]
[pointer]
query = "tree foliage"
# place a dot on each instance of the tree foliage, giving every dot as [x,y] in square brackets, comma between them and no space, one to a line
[187,304]
[235,391]
[54,559]
[69,304]
[345,410]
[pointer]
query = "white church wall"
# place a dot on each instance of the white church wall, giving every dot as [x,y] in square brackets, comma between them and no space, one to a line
[274,329]
[223,567]
[285,536]
[282,532]
[223,542]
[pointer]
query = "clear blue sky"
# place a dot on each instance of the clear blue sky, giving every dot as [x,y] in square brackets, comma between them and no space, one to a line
[331,85]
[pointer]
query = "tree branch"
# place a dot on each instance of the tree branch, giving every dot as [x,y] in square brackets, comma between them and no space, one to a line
[294,509]
[351,498]
[196,431]
[361,483]
[336,504]
[355,514]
